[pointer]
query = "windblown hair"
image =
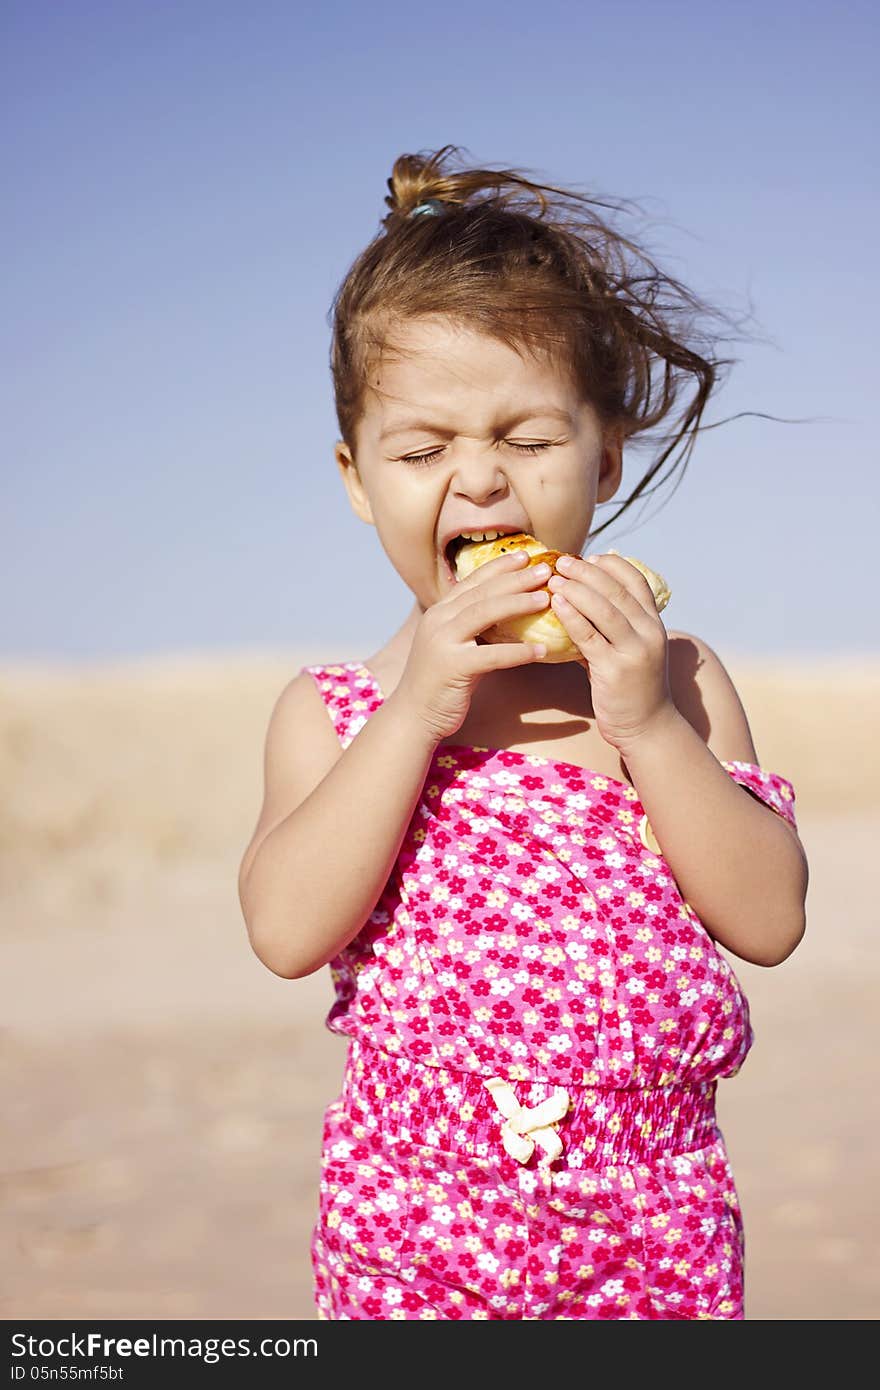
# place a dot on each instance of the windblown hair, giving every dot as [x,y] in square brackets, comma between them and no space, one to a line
[536,268]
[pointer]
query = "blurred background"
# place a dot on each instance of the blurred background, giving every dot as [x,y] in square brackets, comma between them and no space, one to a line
[187,185]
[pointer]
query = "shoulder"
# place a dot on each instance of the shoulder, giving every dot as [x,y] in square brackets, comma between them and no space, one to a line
[300,748]
[705,694]
[302,696]
[301,721]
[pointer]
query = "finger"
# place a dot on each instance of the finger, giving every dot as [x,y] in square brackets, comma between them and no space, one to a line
[619,580]
[612,603]
[588,600]
[504,585]
[510,582]
[497,656]
[580,629]
[484,612]
[511,561]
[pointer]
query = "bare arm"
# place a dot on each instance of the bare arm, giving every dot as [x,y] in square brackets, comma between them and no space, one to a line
[310,884]
[738,864]
[332,824]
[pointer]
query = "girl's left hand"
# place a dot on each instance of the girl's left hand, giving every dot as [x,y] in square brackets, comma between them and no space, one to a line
[607,609]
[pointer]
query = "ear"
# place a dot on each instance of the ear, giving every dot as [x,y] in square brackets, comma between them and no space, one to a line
[611,467]
[357,496]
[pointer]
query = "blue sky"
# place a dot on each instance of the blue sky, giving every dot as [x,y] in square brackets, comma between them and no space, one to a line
[186,185]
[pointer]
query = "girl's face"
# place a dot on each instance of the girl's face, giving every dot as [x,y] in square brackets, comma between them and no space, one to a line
[460,433]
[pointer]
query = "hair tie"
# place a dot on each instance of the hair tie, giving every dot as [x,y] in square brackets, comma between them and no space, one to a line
[432,207]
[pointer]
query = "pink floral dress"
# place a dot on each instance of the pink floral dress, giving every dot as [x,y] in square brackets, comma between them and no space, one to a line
[537,1022]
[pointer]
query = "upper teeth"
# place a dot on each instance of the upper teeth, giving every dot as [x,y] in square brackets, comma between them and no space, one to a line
[480,535]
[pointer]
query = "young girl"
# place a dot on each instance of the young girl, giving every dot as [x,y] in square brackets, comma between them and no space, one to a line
[520,872]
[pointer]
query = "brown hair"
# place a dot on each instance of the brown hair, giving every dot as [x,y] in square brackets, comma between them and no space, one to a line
[535,267]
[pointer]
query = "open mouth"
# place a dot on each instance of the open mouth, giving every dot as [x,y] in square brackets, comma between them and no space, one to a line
[452,549]
[457,543]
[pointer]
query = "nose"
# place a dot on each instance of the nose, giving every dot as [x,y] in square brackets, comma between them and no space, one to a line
[478,476]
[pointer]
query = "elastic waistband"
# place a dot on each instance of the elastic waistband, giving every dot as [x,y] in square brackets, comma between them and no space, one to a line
[455,1111]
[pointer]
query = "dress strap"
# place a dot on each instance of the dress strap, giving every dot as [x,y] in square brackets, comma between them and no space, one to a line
[769,787]
[350,695]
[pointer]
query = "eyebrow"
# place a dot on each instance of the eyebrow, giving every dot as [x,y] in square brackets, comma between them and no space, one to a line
[532,413]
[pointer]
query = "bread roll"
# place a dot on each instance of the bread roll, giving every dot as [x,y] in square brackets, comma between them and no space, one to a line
[544,626]
[659,588]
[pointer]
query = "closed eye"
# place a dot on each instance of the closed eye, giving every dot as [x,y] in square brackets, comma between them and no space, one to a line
[419,459]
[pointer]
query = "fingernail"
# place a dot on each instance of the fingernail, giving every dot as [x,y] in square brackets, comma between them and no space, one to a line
[541,569]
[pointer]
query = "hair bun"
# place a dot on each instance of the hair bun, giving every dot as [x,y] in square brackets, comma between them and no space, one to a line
[421,178]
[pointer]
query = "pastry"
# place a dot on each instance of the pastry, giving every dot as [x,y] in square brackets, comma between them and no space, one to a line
[543,626]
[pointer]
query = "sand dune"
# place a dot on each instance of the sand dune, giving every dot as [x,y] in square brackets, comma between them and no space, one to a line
[163,1091]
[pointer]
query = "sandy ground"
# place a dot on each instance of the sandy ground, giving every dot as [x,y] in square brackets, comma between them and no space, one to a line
[162,1091]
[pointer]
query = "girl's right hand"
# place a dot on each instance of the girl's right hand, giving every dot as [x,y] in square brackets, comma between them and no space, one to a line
[446,662]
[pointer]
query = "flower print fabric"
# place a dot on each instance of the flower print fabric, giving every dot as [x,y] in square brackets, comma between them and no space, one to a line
[529,932]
